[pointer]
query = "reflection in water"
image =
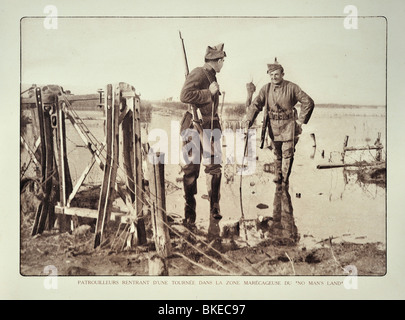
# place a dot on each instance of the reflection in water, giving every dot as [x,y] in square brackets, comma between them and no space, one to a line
[282,227]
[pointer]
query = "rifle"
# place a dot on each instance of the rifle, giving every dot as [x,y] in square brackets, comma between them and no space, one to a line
[196,120]
[264,128]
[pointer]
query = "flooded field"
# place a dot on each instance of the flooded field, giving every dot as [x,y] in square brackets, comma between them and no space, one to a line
[326,202]
[320,203]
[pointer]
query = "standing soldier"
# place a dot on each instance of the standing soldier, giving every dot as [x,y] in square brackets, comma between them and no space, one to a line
[202,90]
[279,98]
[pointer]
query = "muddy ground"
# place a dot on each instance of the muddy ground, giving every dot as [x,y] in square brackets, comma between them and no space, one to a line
[72,253]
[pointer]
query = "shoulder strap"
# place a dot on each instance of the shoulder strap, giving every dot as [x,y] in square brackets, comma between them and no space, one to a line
[207,75]
[210,80]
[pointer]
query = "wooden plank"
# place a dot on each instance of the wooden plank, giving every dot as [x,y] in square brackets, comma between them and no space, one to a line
[139,199]
[68,177]
[61,156]
[111,165]
[344,165]
[80,181]
[379,147]
[32,155]
[128,153]
[71,98]
[61,162]
[41,131]
[102,205]
[115,149]
[123,114]
[47,165]
[159,218]
[38,102]
[127,93]
[90,213]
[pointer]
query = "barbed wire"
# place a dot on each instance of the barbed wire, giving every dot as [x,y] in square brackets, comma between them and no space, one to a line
[123,169]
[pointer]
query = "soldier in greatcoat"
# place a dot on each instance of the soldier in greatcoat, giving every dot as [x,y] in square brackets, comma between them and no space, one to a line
[201,89]
[278,98]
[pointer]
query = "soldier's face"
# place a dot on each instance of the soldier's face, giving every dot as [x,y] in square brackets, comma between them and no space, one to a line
[276,76]
[219,65]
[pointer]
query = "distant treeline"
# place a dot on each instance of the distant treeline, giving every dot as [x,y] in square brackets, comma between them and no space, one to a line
[235,109]
[346,106]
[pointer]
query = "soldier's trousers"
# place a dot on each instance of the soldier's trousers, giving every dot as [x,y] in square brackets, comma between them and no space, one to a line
[210,154]
[284,153]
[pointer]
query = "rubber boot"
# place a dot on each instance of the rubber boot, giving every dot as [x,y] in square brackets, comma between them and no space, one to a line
[286,169]
[277,172]
[213,188]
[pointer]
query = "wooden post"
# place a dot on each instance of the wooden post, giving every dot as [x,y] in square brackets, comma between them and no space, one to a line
[313,139]
[64,178]
[103,204]
[139,199]
[378,144]
[47,160]
[128,154]
[157,192]
[346,140]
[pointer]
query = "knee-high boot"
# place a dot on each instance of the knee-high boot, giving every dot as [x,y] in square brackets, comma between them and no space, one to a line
[277,171]
[286,169]
[214,194]
[190,189]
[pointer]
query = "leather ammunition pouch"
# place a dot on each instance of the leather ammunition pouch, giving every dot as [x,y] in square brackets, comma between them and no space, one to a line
[186,122]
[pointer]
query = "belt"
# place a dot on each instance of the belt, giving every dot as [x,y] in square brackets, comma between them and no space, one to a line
[280,116]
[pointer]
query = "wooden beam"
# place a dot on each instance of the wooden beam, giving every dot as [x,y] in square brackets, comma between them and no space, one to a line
[80,181]
[61,142]
[32,155]
[47,163]
[378,147]
[70,98]
[137,148]
[159,218]
[91,213]
[106,184]
[344,165]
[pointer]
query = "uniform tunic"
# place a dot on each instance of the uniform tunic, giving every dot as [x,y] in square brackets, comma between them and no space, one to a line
[196,91]
[279,101]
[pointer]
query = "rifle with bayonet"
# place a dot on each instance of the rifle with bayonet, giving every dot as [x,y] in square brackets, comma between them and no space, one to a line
[196,120]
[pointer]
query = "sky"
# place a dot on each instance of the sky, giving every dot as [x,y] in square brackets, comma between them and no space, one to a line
[329,62]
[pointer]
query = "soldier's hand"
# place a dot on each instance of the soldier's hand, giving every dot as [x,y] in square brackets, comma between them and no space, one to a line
[214,88]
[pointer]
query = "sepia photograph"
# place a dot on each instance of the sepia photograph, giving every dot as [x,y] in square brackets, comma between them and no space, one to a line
[203,146]
[177,151]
